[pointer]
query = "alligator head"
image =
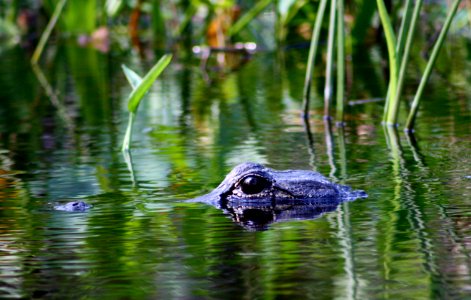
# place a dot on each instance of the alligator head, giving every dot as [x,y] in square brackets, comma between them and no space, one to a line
[73,206]
[255,195]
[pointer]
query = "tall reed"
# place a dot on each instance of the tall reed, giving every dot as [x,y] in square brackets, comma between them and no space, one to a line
[401,41]
[392,54]
[405,24]
[329,80]
[404,58]
[316,31]
[340,62]
[47,32]
[428,69]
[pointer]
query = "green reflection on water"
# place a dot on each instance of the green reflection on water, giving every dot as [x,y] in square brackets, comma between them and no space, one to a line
[409,239]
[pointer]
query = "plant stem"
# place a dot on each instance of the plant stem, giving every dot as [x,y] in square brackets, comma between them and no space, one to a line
[430,64]
[405,25]
[329,80]
[401,38]
[47,32]
[391,43]
[340,62]
[128,135]
[405,60]
[312,56]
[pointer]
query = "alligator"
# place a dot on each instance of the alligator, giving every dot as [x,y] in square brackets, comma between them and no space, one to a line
[256,196]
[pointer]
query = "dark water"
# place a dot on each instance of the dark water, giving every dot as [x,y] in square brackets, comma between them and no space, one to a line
[410,239]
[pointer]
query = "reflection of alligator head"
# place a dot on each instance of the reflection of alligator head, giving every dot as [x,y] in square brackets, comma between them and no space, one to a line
[256,196]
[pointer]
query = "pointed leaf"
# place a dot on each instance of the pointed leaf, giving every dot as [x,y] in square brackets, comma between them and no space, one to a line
[141,89]
[132,77]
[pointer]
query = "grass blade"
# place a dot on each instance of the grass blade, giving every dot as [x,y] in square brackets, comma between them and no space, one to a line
[47,32]
[316,31]
[404,60]
[340,62]
[391,44]
[405,25]
[401,40]
[141,89]
[329,79]
[430,64]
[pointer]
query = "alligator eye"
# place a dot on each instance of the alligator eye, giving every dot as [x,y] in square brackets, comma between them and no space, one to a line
[253,184]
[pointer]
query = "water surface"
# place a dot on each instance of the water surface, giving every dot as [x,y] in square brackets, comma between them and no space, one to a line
[410,239]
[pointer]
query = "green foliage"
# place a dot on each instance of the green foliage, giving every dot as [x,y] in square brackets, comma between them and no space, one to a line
[336,34]
[340,62]
[430,64]
[312,56]
[140,88]
[393,64]
[47,32]
[173,21]
[329,74]
[403,48]
[396,79]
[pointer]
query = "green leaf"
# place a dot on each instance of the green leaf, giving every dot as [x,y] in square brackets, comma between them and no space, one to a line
[141,89]
[132,77]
